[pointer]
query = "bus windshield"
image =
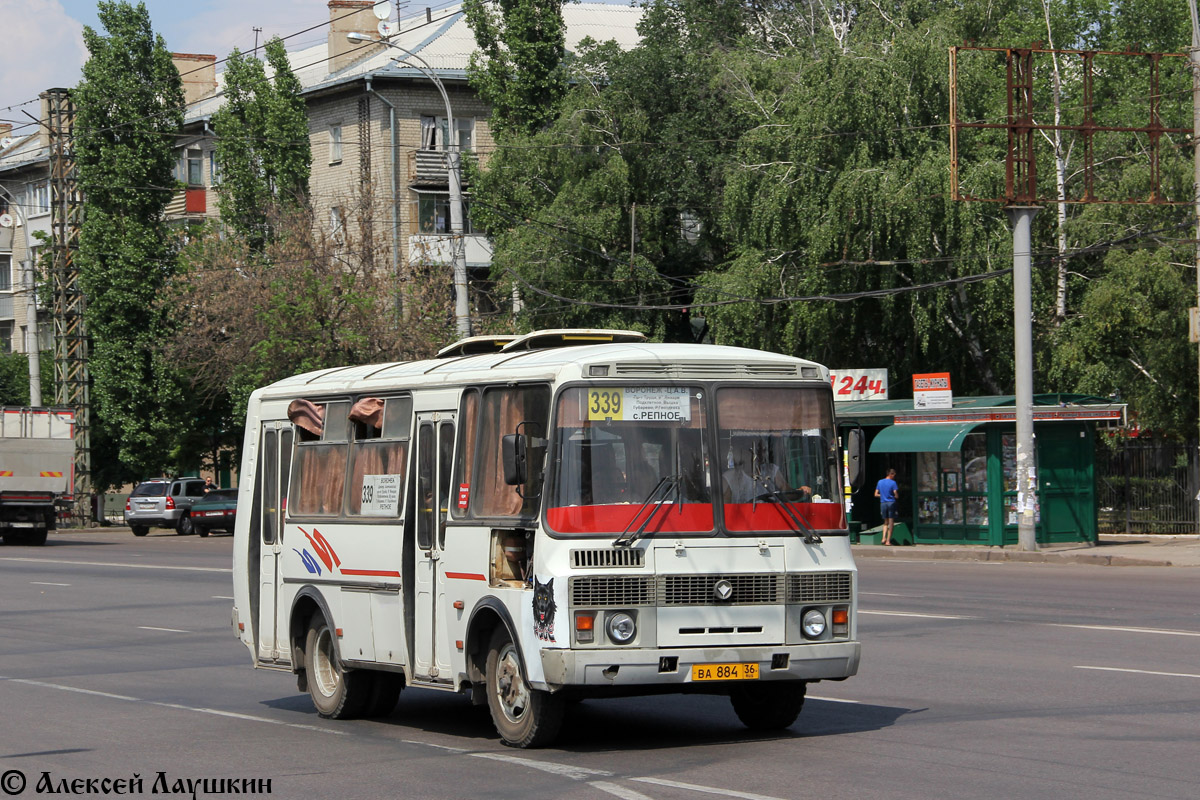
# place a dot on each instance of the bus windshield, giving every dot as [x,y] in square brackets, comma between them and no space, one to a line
[778,446]
[615,448]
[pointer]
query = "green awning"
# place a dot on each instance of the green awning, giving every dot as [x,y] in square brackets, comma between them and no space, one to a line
[919,438]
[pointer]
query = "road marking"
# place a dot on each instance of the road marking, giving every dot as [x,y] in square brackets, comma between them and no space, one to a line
[566,770]
[47,583]
[1162,631]
[438,746]
[706,789]
[1141,671]
[165,630]
[833,699]
[173,706]
[221,597]
[619,791]
[891,594]
[116,564]
[911,614]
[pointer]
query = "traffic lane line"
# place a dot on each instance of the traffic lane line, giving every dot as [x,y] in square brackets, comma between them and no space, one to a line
[69,562]
[913,614]
[164,630]
[47,583]
[1118,629]
[694,787]
[1140,671]
[1081,627]
[173,706]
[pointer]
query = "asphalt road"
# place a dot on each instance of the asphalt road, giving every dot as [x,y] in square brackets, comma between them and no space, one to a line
[979,680]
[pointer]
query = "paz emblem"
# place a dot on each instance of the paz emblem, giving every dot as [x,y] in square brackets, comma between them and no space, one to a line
[723,589]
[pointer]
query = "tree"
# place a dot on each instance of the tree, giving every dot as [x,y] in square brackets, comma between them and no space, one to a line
[263,151]
[519,67]
[310,300]
[129,110]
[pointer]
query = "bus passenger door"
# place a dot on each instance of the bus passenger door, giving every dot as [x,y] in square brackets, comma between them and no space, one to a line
[435,447]
[276,458]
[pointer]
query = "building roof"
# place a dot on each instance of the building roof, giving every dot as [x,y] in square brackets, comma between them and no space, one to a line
[445,42]
[23,152]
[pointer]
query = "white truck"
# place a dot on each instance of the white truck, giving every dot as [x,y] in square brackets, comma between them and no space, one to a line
[37,470]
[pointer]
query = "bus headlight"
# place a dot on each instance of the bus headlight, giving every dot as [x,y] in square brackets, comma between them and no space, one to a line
[814,623]
[621,627]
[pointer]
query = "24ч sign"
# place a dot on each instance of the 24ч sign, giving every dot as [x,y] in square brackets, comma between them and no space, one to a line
[859,384]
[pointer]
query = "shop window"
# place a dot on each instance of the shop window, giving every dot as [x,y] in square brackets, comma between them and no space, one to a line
[952,487]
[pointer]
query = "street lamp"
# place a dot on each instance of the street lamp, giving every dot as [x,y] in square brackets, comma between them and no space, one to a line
[31,324]
[462,312]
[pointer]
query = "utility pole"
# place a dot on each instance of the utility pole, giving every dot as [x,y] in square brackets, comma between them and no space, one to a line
[1194,56]
[1022,223]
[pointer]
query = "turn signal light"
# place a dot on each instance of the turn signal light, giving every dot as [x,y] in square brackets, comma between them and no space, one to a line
[585,626]
[841,621]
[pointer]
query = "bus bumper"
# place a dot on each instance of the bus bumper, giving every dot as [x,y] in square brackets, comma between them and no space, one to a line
[634,667]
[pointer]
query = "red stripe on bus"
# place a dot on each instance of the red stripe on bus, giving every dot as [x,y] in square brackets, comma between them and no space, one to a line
[770,517]
[466,576]
[373,573]
[690,518]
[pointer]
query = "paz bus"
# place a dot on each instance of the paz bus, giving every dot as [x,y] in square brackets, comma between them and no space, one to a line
[532,520]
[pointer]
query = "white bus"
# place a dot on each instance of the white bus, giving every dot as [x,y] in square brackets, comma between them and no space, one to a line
[561,515]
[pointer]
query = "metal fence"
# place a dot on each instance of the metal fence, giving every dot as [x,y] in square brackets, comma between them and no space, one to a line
[1147,486]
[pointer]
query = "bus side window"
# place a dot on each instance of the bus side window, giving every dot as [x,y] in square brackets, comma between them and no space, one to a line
[320,462]
[464,467]
[380,448]
[502,411]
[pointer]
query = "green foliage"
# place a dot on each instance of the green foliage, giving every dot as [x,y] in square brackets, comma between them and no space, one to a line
[520,72]
[808,145]
[129,110]
[263,150]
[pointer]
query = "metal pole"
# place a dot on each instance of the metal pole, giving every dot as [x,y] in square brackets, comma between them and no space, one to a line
[1022,222]
[1194,56]
[462,308]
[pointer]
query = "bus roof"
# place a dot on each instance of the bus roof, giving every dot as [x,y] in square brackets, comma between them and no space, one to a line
[631,360]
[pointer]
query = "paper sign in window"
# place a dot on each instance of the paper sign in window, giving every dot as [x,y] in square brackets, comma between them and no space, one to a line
[640,404]
[381,495]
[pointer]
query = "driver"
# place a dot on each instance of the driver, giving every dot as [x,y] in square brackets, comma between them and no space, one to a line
[750,475]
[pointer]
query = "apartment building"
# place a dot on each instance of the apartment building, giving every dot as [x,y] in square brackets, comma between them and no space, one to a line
[377,126]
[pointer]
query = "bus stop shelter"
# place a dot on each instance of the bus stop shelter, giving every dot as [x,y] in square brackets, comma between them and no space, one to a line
[957,466]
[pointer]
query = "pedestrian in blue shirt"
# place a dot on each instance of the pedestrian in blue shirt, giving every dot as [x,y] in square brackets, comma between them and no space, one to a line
[888,492]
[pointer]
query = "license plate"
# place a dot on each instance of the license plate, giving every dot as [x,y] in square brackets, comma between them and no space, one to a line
[725,672]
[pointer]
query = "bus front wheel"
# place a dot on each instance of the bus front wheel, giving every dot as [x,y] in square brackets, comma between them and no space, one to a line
[524,717]
[337,693]
[768,706]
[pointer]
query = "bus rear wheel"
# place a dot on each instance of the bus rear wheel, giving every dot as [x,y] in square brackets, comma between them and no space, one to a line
[337,693]
[768,706]
[523,716]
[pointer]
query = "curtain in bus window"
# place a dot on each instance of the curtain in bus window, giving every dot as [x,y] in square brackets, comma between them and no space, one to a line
[308,417]
[502,411]
[375,458]
[320,471]
[464,468]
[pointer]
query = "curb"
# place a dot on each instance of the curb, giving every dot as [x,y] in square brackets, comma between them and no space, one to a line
[1017,556]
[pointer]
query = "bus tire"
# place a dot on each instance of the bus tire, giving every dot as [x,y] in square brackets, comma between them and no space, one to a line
[336,693]
[523,716]
[768,706]
[385,692]
[139,530]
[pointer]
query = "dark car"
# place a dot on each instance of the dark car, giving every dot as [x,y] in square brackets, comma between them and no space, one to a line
[216,511]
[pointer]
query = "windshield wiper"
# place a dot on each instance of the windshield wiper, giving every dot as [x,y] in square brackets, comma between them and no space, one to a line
[664,486]
[811,536]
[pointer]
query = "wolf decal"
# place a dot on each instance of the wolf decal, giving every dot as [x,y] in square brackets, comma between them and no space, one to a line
[543,609]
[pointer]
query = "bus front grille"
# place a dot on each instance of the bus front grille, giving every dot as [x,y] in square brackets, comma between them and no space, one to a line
[612,591]
[601,557]
[820,587]
[699,590]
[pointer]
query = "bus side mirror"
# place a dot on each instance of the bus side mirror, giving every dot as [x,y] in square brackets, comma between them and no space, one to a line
[512,447]
[856,451]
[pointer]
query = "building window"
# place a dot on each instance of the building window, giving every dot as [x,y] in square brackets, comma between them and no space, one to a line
[336,220]
[335,144]
[5,273]
[39,198]
[214,169]
[195,168]
[433,132]
[6,335]
[433,213]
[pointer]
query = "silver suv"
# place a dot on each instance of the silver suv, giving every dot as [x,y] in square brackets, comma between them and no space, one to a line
[162,503]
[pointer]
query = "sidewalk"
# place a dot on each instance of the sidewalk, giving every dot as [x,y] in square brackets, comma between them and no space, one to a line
[1112,551]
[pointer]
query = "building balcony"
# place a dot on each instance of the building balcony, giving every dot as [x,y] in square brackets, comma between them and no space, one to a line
[430,168]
